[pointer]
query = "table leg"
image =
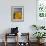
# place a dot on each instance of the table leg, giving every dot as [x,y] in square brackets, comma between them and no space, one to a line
[17,39]
[5,40]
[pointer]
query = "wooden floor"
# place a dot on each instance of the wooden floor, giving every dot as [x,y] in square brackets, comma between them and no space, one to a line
[13,44]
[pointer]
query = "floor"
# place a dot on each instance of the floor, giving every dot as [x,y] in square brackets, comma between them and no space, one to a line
[13,44]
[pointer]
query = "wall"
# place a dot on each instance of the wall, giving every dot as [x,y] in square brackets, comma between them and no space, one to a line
[29,15]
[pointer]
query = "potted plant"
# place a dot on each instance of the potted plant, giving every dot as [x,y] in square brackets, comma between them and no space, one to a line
[39,35]
[35,26]
[42,27]
[38,27]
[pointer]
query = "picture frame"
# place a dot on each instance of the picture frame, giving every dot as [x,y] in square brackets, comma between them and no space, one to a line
[17,13]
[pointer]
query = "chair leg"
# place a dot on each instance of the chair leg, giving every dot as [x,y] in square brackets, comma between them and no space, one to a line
[5,40]
[5,43]
[17,39]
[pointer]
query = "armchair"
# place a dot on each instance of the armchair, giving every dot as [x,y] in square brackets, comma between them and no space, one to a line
[14,32]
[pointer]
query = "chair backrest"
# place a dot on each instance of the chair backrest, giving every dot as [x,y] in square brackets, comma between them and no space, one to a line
[14,30]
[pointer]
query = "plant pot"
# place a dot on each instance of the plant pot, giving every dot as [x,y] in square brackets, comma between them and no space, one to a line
[42,40]
[38,40]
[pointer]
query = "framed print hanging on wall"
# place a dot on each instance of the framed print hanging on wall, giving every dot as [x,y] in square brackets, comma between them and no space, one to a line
[17,13]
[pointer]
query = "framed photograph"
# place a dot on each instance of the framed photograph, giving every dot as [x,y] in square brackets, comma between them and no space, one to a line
[17,13]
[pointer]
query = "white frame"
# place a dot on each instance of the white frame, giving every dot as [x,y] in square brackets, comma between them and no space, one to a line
[17,20]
